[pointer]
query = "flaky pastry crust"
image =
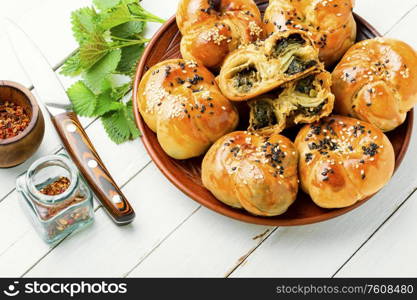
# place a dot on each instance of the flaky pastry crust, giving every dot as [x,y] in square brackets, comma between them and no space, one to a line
[304,100]
[261,67]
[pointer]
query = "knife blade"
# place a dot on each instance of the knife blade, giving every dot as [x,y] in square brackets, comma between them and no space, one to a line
[53,96]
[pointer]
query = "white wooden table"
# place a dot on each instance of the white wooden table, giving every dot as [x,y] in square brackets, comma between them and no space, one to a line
[173,235]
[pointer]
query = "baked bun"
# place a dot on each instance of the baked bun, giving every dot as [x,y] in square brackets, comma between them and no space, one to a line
[343,161]
[376,81]
[211,29]
[329,23]
[304,100]
[252,171]
[259,68]
[181,102]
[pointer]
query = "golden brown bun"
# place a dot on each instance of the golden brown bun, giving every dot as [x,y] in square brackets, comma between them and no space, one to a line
[181,102]
[304,100]
[330,23]
[252,171]
[343,161]
[211,29]
[376,81]
[261,67]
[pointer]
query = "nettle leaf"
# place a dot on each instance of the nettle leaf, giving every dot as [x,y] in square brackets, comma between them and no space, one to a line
[128,30]
[96,76]
[93,50]
[84,23]
[115,17]
[72,66]
[111,42]
[134,131]
[107,103]
[130,58]
[119,92]
[139,12]
[130,1]
[104,5]
[83,99]
[119,126]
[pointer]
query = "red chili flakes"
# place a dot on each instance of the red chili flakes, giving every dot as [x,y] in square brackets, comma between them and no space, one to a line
[57,187]
[13,120]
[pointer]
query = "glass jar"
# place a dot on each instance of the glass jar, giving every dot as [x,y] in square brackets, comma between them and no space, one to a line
[55,212]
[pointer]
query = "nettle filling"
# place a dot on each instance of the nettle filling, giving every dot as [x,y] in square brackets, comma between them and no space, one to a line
[245,79]
[305,98]
[298,65]
[286,44]
[290,52]
[263,113]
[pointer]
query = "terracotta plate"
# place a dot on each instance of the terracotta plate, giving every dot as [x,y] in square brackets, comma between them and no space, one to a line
[186,174]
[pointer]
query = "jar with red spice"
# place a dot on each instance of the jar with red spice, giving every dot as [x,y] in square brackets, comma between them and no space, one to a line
[55,197]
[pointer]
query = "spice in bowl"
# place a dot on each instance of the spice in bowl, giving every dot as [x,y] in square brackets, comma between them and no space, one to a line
[13,120]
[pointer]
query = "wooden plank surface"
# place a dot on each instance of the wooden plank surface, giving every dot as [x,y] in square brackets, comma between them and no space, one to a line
[174,236]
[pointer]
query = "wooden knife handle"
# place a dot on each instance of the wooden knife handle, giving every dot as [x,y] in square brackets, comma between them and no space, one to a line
[91,166]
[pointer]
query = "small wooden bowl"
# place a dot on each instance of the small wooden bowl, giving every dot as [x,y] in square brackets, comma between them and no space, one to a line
[16,150]
[186,174]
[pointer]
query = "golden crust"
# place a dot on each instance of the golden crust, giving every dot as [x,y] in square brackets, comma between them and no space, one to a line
[343,161]
[258,68]
[181,102]
[376,81]
[329,23]
[305,100]
[252,171]
[212,29]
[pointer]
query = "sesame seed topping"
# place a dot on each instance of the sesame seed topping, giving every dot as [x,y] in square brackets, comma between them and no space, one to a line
[214,35]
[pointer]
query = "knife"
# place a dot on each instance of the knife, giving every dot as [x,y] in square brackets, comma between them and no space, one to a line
[53,96]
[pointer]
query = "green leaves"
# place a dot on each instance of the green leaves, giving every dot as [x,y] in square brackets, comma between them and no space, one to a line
[94,49]
[83,99]
[130,58]
[106,103]
[110,43]
[117,117]
[120,125]
[72,66]
[95,77]
[128,30]
[105,4]
[115,17]
[84,23]
[141,13]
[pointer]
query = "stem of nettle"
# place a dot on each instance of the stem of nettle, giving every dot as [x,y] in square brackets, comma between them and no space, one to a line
[130,43]
[125,40]
[149,19]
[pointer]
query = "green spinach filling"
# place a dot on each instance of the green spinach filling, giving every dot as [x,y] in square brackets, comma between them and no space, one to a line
[283,44]
[312,111]
[298,66]
[245,79]
[264,116]
[305,85]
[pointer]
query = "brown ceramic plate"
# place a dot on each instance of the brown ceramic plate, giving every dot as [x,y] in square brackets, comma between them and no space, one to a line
[186,174]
